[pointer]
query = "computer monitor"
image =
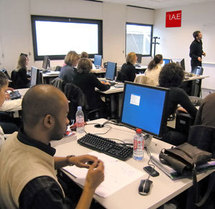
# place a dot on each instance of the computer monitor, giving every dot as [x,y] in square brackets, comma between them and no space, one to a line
[144,107]
[110,71]
[46,63]
[180,62]
[36,76]
[97,60]
[139,58]
[166,61]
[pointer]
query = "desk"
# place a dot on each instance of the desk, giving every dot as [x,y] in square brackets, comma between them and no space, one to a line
[163,188]
[99,72]
[192,85]
[113,99]
[48,76]
[13,105]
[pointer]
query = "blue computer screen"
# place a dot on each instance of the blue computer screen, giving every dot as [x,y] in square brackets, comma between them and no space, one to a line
[143,107]
[166,61]
[98,60]
[110,71]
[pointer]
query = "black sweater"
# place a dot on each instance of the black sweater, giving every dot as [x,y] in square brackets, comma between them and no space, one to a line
[88,82]
[20,78]
[195,52]
[127,72]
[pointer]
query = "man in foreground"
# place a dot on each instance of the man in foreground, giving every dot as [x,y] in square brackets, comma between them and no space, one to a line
[27,165]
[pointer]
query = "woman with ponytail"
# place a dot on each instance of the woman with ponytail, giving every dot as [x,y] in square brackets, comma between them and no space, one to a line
[153,70]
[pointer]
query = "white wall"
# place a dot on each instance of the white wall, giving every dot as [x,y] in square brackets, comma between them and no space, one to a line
[16,34]
[175,42]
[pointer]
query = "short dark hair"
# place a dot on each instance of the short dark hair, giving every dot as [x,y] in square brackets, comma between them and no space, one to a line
[3,80]
[171,75]
[196,33]
[84,65]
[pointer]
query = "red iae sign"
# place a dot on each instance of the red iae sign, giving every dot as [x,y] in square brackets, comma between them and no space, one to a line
[173,19]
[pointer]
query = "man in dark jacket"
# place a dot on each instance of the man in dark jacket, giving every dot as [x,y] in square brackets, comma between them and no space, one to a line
[196,50]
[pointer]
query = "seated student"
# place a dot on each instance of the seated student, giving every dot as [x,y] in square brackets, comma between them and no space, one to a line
[27,162]
[206,113]
[153,70]
[67,72]
[19,76]
[88,82]
[171,76]
[84,55]
[128,71]
[7,123]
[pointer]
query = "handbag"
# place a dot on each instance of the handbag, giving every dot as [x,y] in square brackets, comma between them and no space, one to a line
[184,159]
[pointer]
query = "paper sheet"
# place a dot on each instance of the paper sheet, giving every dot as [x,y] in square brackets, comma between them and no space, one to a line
[118,174]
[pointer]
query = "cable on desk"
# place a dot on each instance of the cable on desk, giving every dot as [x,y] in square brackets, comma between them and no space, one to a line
[100,133]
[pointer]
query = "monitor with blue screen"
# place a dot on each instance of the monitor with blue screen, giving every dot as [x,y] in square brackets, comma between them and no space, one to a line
[144,107]
[166,61]
[110,71]
[98,61]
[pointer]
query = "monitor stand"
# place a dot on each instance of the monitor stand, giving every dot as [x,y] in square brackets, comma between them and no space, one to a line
[147,139]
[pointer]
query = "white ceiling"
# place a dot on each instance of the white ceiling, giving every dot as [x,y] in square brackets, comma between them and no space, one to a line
[158,4]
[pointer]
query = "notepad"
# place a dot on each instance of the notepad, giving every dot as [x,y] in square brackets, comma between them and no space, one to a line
[118,174]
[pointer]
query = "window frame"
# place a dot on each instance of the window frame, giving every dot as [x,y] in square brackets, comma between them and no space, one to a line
[35,18]
[139,24]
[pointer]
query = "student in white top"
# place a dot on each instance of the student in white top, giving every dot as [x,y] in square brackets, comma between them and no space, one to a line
[3,89]
[153,70]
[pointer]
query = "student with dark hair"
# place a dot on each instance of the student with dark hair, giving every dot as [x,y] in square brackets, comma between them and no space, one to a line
[128,71]
[154,69]
[27,162]
[196,50]
[171,76]
[19,76]
[88,82]
[68,71]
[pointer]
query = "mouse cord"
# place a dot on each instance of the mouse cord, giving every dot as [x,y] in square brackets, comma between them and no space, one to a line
[100,133]
[149,161]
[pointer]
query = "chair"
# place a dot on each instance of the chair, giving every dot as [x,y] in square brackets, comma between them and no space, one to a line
[3,70]
[58,83]
[77,98]
[142,79]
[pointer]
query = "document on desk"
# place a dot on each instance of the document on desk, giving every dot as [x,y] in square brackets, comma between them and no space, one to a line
[118,174]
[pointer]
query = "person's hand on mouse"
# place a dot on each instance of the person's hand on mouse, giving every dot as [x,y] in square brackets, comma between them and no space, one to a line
[82,160]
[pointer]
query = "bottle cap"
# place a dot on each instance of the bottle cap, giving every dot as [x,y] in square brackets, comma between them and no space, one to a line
[138,131]
[79,108]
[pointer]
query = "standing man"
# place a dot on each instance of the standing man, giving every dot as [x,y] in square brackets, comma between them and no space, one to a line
[196,50]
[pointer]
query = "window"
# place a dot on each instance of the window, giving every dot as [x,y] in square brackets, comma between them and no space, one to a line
[139,39]
[56,36]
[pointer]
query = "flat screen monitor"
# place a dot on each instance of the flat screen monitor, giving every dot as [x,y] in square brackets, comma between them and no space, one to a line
[46,63]
[144,107]
[110,71]
[166,61]
[139,58]
[36,76]
[180,62]
[97,60]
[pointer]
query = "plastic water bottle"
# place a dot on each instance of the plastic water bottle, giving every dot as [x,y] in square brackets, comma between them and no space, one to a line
[138,147]
[79,120]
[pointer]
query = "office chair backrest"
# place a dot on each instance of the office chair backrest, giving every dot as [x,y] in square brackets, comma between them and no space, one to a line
[76,98]
[58,83]
[3,70]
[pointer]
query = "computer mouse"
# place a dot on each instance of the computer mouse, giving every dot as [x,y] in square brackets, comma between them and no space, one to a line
[144,187]
[99,125]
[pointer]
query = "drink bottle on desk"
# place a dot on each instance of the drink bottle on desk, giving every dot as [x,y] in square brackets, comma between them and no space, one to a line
[138,147]
[79,120]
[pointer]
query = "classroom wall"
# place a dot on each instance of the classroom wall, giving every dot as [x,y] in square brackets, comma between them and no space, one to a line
[175,42]
[16,35]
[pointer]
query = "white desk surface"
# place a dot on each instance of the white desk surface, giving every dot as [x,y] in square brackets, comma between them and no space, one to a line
[14,105]
[196,77]
[163,188]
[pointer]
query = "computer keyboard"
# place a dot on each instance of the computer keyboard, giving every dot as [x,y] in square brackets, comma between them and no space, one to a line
[15,95]
[106,146]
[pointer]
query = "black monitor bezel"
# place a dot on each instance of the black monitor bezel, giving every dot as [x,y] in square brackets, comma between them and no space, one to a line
[114,72]
[164,113]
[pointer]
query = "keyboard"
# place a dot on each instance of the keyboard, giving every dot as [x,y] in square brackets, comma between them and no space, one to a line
[106,146]
[15,95]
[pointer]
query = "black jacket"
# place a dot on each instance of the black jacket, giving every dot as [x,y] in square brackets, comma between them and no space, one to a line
[127,72]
